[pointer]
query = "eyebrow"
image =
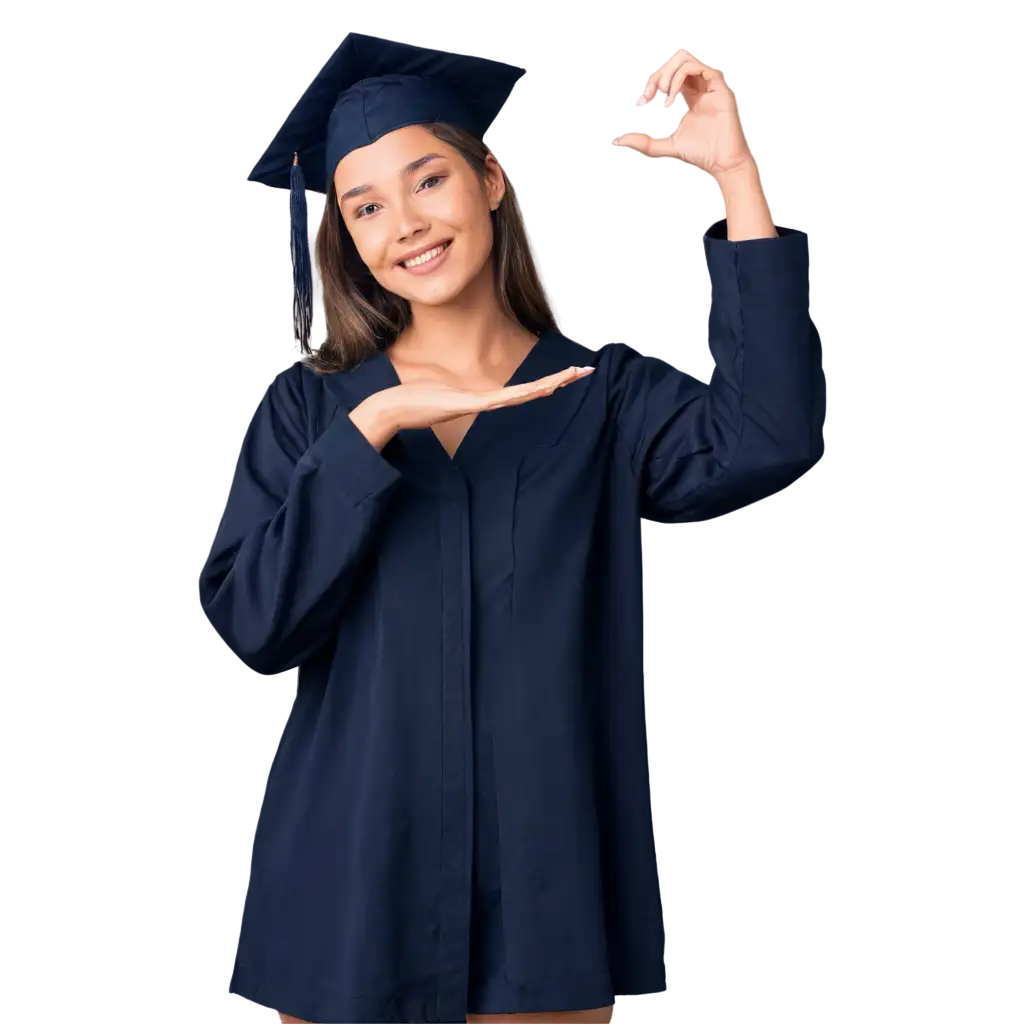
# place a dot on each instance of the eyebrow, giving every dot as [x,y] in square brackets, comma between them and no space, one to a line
[408,169]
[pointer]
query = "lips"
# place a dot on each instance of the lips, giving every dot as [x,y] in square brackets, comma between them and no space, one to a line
[445,243]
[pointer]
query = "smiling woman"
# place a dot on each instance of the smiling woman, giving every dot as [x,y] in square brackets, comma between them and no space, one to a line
[436,518]
[432,174]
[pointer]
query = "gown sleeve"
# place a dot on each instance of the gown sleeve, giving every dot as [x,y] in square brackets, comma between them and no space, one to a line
[297,522]
[701,450]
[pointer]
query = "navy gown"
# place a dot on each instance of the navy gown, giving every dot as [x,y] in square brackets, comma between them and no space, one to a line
[457,818]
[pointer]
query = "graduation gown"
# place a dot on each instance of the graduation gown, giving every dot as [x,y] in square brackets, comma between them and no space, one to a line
[457,818]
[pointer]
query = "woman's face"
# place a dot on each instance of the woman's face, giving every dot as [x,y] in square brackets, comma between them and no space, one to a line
[419,192]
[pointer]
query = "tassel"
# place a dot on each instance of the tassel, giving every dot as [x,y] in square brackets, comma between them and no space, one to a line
[302,274]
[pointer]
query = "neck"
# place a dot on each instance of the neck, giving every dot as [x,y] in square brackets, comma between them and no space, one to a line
[469,336]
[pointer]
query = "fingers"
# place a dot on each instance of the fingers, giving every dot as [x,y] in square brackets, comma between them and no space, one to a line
[519,393]
[556,380]
[671,81]
[672,75]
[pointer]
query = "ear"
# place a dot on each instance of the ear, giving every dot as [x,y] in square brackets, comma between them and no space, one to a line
[494,181]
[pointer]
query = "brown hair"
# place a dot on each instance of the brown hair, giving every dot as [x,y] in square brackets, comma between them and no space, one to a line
[362,317]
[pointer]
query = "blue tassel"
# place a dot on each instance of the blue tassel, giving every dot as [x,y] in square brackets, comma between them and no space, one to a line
[302,273]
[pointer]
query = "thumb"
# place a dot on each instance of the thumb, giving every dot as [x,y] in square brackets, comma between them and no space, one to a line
[645,144]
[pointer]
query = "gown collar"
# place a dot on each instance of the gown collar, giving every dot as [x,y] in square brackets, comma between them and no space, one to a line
[508,431]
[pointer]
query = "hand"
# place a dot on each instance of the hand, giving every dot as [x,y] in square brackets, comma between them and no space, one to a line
[424,403]
[709,136]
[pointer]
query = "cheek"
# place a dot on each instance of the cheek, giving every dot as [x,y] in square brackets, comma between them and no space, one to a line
[471,225]
[453,212]
[371,243]
[481,240]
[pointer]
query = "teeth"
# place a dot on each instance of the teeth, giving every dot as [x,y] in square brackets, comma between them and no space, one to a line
[423,257]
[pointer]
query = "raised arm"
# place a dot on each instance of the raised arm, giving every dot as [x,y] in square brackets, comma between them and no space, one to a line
[702,450]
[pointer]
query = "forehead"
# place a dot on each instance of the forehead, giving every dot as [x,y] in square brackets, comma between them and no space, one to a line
[386,157]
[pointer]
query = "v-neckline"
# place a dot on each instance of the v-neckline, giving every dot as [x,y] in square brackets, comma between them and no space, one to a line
[515,378]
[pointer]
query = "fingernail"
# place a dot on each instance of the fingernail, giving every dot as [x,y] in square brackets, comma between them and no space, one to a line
[643,99]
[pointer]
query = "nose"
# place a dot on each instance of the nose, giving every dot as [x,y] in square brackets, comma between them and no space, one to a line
[409,221]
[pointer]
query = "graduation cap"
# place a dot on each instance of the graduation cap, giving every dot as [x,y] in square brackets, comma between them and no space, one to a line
[370,87]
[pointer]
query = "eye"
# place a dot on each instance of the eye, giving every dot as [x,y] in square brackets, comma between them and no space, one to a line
[363,211]
[433,177]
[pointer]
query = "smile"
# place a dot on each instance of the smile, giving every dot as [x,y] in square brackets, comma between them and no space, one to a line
[427,261]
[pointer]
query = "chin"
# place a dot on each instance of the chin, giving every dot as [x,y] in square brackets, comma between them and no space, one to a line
[423,296]
[436,289]
[434,296]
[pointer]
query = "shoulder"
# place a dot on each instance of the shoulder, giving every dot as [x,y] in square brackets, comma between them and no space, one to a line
[654,354]
[291,401]
[288,389]
[311,398]
[620,360]
[300,385]
[645,392]
[611,361]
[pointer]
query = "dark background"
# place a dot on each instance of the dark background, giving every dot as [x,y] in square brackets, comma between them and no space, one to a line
[836,681]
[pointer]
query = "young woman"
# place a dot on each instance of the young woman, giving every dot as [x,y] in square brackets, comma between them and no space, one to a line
[435,516]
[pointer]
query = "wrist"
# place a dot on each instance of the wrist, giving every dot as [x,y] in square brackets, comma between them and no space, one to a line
[375,419]
[746,209]
[740,177]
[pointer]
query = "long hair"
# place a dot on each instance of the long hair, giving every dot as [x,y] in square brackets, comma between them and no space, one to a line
[362,317]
